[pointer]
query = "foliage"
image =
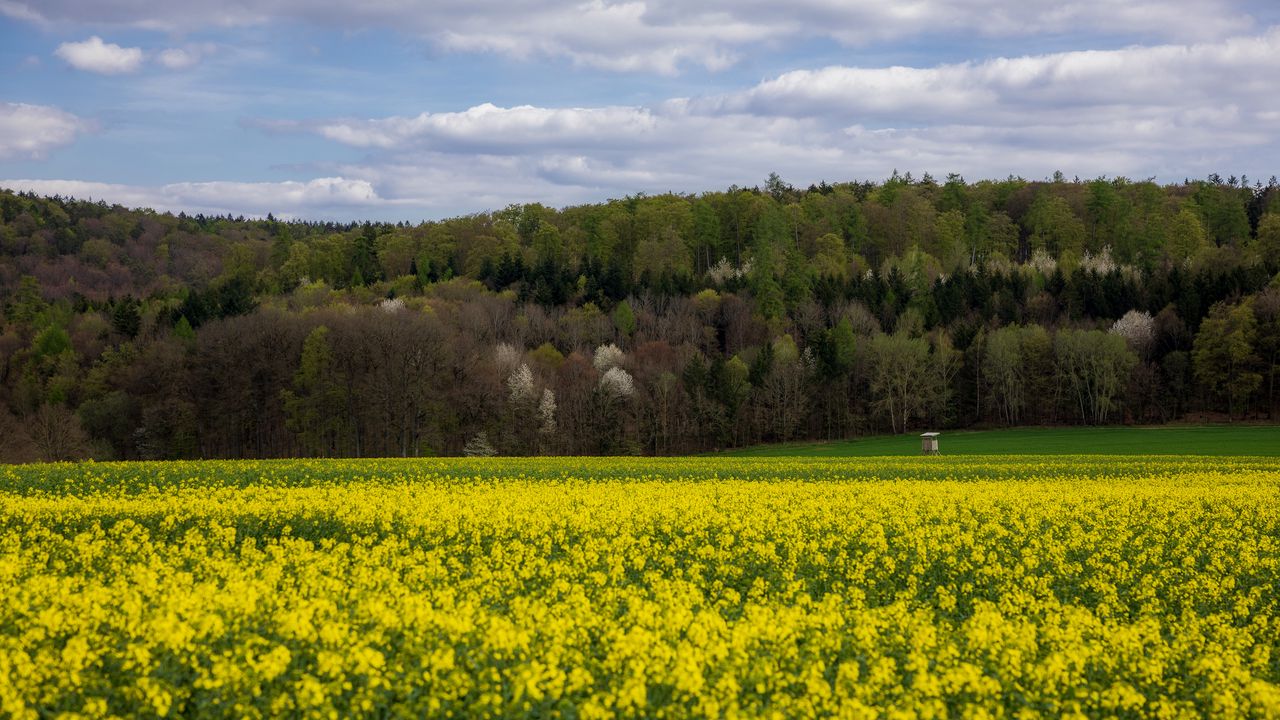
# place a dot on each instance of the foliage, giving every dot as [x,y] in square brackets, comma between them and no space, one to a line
[1224,359]
[179,336]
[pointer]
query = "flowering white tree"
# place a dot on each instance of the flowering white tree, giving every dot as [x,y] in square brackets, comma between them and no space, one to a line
[1102,263]
[520,384]
[1138,329]
[479,446]
[1042,261]
[607,356]
[724,271]
[391,305]
[547,413]
[617,383]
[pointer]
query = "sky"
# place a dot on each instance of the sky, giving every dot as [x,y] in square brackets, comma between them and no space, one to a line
[400,110]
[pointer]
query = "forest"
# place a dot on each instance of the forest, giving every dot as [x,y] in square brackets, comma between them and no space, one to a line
[663,324]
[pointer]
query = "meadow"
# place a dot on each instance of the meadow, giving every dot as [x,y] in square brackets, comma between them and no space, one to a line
[975,587]
[1216,440]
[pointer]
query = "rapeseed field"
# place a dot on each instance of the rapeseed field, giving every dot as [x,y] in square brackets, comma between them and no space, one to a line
[981,587]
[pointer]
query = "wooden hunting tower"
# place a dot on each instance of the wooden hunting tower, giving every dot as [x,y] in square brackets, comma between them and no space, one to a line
[929,443]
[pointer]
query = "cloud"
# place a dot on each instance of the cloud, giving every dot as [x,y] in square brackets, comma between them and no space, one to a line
[1169,111]
[21,11]
[1164,79]
[184,57]
[316,196]
[1172,87]
[488,128]
[94,55]
[667,35]
[30,131]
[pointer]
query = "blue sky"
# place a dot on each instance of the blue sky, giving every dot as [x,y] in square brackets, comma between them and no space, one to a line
[400,110]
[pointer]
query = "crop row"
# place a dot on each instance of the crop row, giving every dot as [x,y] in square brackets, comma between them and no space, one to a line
[1057,587]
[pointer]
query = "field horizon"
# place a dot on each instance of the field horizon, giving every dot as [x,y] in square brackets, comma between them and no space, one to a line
[1210,440]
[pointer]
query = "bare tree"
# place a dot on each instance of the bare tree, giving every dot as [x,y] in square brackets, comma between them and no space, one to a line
[1094,366]
[898,368]
[56,434]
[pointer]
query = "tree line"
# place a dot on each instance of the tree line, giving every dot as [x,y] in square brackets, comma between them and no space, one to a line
[665,324]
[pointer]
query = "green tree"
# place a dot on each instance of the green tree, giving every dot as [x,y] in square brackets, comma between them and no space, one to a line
[1267,243]
[663,227]
[316,405]
[779,276]
[624,319]
[1107,215]
[27,303]
[1148,225]
[1223,210]
[1052,226]
[280,246]
[761,365]
[365,268]
[955,195]
[705,240]
[1266,309]
[844,346]
[296,267]
[830,258]
[182,329]
[1223,354]
[126,316]
[797,279]
[949,240]
[990,233]
[1186,236]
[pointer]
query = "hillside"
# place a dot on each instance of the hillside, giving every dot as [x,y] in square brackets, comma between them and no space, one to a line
[664,324]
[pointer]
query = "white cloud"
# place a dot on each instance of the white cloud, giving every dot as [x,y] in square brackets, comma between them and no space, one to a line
[185,57]
[1169,111]
[666,35]
[1166,78]
[1166,90]
[21,11]
[30,131]
[490,128]
[176,58]
[318,196]
[94,55]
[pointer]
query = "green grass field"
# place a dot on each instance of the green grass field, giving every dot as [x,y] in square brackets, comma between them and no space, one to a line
[1197,440]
